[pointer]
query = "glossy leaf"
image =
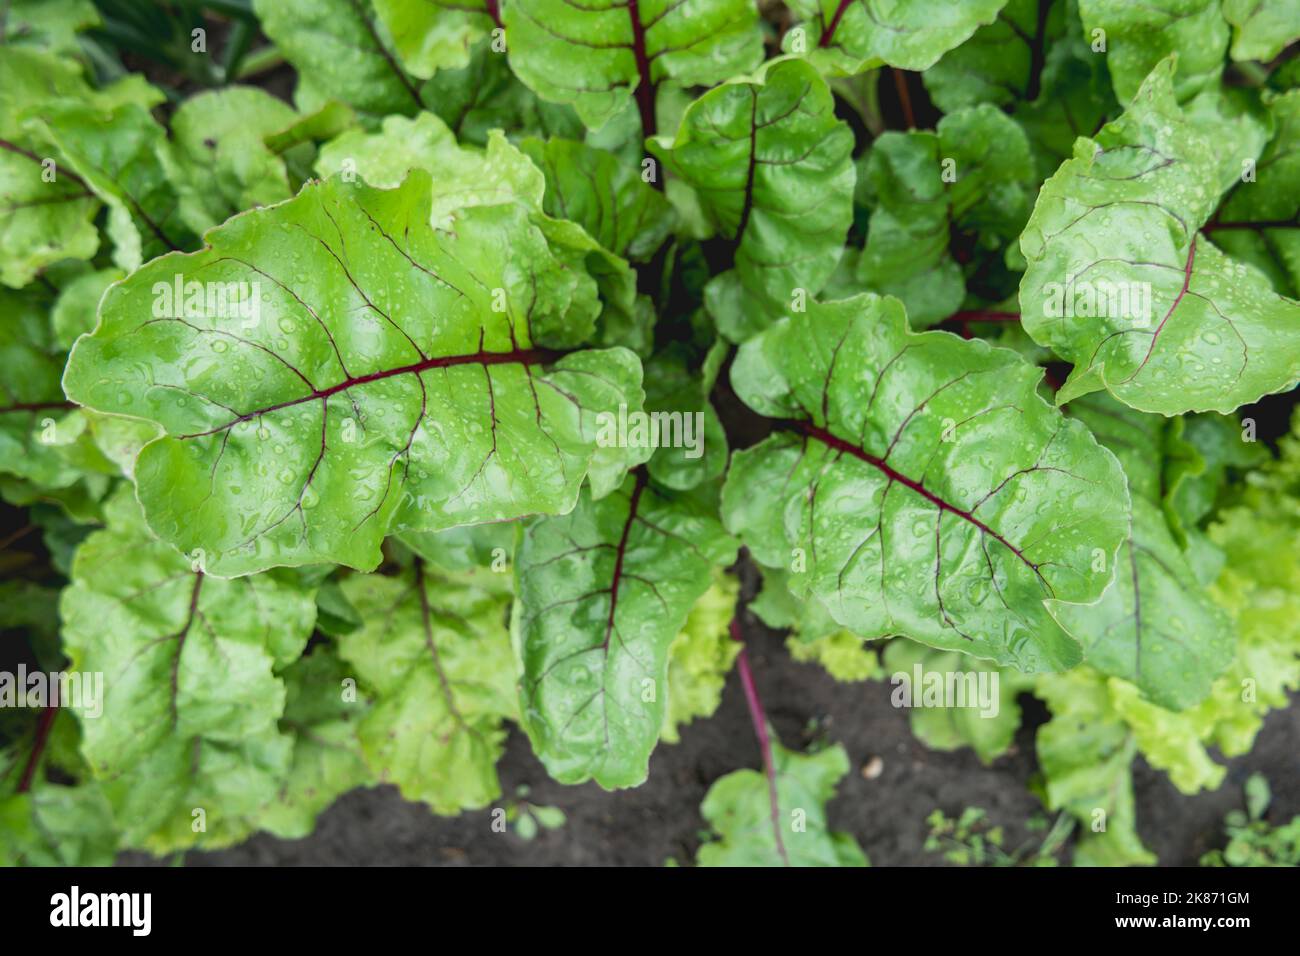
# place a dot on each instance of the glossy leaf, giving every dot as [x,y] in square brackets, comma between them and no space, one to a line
[849,36]
[188,660]
[1121,283]
[603,194]
[972,173]
[1139,36]
[920,486]
[1155,626]
[464,177]
[602,593]
[771,165]
[597,56]
[374,385]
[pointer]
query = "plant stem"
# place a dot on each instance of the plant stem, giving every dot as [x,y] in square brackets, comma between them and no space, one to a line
[984,315]
[259,61]
[904,97]
[43,726]
[759,718]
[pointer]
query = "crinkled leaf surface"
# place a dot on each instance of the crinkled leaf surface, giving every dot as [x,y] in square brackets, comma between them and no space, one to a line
[46,216]
[1086,755]
[1123,215]
[916,207]
[1002,61]
[849,36]
[986,724]
[376,387]
[431,35]
[598,55]
[842,653]
[1141,35]
[693,445]
[749,831]
[1155,626]
[190,696]
[601,594]
[501,174]
[221,164]
[54,825]
[700,657]
[435,652]
[924,484]
[327,758]
[341,51]
[771,165]
[1260,221]
[32,406]
[484,95]
[116,152]
[602,193]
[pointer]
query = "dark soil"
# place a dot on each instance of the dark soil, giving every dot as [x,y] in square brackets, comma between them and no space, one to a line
[661,819]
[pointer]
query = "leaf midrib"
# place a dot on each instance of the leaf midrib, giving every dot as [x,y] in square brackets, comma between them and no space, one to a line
[839,444]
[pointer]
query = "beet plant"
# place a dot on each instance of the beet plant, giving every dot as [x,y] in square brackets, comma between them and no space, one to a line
[380,375]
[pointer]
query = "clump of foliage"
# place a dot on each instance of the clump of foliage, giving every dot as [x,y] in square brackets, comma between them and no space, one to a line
[383,374]
[1252,840]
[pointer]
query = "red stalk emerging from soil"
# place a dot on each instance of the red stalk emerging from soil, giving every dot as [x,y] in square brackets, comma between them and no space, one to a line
[759,718]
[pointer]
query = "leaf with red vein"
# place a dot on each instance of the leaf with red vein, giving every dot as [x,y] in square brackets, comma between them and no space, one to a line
[433,648]
[172,736]
[918,485]
[389,376]
[738,808]
[1155,626]
[773,171]
[602,593]
[845,37]
[1121,219]
[602,55]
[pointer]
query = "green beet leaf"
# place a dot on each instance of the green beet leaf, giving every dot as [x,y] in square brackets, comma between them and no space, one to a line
[602,593]
[191,697]
[753,826]
[598,56]
[919,486]
[1121,283]
[435,653]
[380,374]
[771,166]
[849,36]
[1155,626]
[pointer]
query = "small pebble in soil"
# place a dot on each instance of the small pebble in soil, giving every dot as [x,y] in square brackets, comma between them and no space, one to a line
[873,768]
